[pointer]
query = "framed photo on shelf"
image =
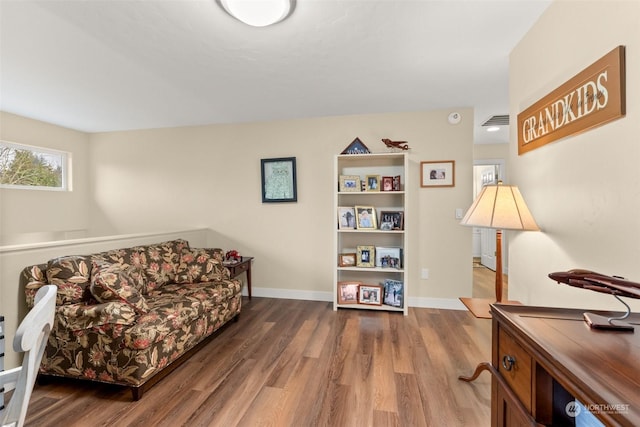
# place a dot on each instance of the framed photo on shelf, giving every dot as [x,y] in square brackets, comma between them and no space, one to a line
[397,186]
[388,257]
[365,256]
[370,294]
[348,292]
[394,293]
[387,183]
[346,218]
[347,260]
[373,183]
[366,218]
[279,180]
[438,174]
[349,183]
[392,220]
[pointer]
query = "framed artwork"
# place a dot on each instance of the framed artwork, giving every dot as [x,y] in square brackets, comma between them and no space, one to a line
[394,293]
[365,256]
[391,220]
[373,182]
[366,218]
[279,180]
[370,294]
[347,260]
[348,292]
[438,174]
[349,183]
[346,218]
[387,183]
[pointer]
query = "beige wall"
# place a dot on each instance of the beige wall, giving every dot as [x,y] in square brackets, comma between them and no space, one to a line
[36,215]
[583,190]
[209,176]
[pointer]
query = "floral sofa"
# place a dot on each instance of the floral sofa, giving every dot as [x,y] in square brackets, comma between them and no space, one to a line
[127,316]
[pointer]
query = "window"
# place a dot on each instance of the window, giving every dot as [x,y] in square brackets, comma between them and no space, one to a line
[23,166]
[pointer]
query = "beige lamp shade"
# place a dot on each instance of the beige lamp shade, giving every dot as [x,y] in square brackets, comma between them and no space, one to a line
[500,207]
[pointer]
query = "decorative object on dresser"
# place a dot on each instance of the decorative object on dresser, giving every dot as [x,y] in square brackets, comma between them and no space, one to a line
[356,248]
[130,316]
[549,369]
[498,207]
[613,285]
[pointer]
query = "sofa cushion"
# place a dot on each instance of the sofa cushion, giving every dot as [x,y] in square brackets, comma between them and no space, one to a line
[161,262]
[200,265]
[115,282]
[175,307]
[71,275]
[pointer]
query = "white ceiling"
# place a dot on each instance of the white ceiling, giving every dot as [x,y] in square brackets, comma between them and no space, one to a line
[117,65]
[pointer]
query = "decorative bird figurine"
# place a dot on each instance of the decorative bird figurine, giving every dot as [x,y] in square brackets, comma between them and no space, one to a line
[402,145]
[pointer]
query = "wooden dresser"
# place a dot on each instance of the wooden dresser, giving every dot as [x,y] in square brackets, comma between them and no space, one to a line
[545,359]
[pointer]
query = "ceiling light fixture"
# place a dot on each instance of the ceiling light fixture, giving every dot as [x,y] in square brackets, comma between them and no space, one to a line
[258,13]
[493,128]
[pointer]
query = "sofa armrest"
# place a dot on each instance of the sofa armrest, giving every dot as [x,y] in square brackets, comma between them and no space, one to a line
[81,316]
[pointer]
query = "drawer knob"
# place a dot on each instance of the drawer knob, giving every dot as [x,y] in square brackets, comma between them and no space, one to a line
[508,362]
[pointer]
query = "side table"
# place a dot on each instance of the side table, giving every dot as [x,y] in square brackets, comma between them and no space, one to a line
[237,268]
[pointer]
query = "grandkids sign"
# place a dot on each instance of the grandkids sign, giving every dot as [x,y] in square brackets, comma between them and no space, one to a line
[592,98]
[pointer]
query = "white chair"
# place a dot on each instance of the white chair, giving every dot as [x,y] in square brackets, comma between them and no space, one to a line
[31,338]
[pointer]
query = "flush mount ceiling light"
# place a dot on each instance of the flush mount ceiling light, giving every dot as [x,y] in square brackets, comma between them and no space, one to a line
[258,13]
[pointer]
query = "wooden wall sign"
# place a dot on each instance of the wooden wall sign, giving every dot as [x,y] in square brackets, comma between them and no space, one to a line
[593,97]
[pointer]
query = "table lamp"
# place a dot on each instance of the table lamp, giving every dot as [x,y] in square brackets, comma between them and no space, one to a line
[500,207]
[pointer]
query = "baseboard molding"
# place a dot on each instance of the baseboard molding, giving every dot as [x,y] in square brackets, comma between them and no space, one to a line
[420,302]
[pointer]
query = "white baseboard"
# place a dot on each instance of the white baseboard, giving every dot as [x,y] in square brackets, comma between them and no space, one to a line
[441,303]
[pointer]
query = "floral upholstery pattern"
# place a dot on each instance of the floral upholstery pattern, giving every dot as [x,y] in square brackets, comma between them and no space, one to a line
[124,315]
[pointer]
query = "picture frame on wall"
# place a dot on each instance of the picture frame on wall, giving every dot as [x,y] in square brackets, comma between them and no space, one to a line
[370,294]
[365,256]
[279,180]
[348,292]
[346,218]
[438,173]
[366,218]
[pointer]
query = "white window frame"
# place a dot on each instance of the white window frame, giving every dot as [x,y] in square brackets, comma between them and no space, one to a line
[65,163]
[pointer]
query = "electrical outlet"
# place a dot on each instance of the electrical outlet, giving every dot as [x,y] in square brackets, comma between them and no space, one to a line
[425,273]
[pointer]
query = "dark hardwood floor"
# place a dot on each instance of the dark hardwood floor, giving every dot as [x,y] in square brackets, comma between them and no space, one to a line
[299,363]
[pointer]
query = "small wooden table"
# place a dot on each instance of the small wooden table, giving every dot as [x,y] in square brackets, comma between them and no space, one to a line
[240,267]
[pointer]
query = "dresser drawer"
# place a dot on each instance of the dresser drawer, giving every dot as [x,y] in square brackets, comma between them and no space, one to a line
[514,364]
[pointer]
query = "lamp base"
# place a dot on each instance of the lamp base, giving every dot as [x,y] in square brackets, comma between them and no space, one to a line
[595,321]
[481,307]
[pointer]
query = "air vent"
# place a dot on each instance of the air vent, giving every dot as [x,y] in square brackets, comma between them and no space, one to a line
[500,120]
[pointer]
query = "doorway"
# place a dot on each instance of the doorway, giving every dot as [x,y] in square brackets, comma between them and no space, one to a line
[486,172]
